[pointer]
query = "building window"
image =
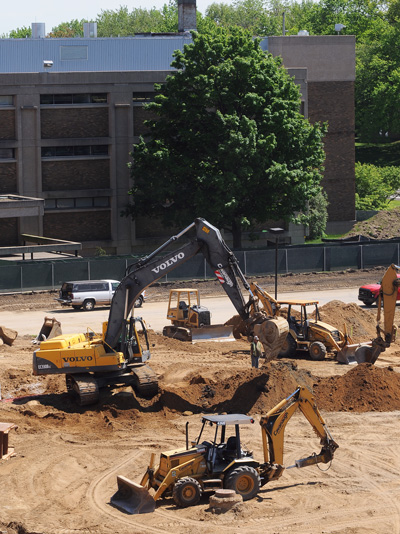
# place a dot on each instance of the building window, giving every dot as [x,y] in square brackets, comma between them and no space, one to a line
[76,203]
[73,52]
[142,97]
[73,151]
[73,99]
[6,100]
[7,153]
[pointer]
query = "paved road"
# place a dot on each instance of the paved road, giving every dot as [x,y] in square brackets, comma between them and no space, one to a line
[154,313]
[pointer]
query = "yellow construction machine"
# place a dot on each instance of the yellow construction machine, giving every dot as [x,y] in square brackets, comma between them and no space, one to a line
[221,461]
[370,351]
[191,321]
[317,337]
[93,360]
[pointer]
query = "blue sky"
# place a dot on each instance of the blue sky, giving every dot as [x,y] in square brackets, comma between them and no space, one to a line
[20,13]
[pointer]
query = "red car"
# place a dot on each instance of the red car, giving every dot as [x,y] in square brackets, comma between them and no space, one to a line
[369,294]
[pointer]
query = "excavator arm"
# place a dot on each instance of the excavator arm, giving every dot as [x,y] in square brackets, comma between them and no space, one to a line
[273,429]
[369,352]
[208,241]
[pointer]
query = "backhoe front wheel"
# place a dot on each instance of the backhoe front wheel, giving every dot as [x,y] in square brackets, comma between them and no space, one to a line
[245,481]
[186,492]
[317,351]
[289,347]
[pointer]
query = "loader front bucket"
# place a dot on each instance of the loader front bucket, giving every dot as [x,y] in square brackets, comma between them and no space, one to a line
[50,328]
[358,353]
[132,498]
[216,332]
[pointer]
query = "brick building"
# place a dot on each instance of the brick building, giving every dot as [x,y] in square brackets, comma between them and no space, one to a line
[71,109]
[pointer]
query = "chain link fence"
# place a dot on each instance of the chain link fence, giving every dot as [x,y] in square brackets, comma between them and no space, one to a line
[50,274]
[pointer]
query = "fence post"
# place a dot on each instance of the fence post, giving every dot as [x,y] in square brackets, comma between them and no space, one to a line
[361,258]
[245,263]
[52,276]
[88,269]
[21,278]
[205,268]
[286,261]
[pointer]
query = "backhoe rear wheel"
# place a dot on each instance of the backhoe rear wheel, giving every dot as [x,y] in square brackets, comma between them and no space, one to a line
[187,492]
[317,351]
[245,481]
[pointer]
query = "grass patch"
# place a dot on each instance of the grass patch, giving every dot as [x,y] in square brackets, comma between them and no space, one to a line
[379,154]
[319,240]
[393,205]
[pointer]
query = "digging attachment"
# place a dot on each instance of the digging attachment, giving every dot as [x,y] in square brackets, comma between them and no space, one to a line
[212,333]
[272,334]
[360,353]
[50,328]
[132,498]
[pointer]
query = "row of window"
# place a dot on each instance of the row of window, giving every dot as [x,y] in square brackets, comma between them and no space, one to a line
[62,151]
[72,203]
[71,151]
[78,98]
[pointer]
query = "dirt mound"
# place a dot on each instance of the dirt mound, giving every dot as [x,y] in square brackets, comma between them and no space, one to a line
[383,225]
[360,324]
[364,388]
[246,392]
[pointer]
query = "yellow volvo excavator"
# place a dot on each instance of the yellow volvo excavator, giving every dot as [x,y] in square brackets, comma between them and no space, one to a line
[221,461]
[115,356]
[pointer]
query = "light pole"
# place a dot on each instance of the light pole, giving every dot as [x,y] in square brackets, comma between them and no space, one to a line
[275,232]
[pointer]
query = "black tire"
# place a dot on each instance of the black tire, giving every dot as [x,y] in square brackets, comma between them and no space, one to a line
[187,492]
[76,306]
[88,305]
[245,481]
[289,348]
[138,302]
[317,351]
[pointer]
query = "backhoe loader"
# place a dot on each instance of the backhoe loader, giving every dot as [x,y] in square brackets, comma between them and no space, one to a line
[186,474]
[93,360]
[317,337]
[191,321]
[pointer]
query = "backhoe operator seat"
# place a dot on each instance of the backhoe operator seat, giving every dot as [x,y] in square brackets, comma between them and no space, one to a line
[231,448]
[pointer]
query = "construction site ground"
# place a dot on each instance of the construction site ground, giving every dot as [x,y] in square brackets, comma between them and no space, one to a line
[67,458]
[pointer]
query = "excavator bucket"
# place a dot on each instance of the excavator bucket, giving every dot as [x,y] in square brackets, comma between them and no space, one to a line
[132,498]
[50,328]
[212,333]
[359,353]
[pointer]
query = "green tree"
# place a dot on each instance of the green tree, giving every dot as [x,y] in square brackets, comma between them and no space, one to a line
[123,23]
[317,215]
[372,190]
[19,33]
[71,29]
[228,142]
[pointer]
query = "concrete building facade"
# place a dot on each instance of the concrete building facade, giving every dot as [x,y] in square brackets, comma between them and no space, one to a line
[71,110]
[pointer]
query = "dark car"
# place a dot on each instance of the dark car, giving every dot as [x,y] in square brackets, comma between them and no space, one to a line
[369,294]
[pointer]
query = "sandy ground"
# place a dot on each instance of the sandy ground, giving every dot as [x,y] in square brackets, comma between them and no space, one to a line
[66,460]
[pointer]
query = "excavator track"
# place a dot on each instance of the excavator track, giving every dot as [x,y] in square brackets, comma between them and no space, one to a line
[84,388]
[145,382]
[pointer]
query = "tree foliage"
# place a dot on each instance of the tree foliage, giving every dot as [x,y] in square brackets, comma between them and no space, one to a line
[74,28]
[228,142]
[123,22]
[375,185]
[317,215]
